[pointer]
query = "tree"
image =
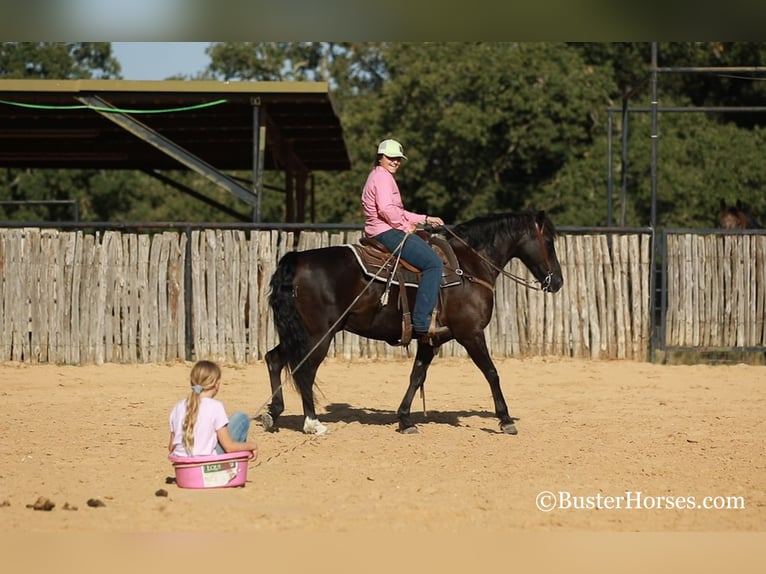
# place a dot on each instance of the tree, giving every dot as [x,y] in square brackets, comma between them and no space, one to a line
[484,124]
[700,162]
[52,60]
[355,72]
[58,60]
[702,158]
[487,126]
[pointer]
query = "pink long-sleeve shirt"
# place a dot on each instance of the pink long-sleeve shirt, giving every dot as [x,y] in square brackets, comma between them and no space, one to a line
[383,206]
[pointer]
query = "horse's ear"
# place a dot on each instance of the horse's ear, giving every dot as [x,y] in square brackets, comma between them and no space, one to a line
[723,205]
[739,205]
[543,223]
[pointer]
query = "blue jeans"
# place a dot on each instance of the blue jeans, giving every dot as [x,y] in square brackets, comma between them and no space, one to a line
[239,425]
[418,253]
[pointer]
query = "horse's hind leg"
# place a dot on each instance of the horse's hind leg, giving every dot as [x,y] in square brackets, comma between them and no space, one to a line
[275,362]
[425,354]
[304,379]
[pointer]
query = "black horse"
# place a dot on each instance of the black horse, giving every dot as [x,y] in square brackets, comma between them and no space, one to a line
[318,292]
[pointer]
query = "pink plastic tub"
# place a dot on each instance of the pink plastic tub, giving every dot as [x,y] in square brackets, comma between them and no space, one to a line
[213,471]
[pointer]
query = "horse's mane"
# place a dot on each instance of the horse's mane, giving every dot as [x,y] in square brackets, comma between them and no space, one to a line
[484,230]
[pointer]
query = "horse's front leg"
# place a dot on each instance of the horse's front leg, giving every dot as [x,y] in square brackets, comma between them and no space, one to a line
[275,362]
[477,350]
[425,354]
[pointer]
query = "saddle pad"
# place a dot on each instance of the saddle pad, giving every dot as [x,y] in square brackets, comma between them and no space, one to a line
[373,264]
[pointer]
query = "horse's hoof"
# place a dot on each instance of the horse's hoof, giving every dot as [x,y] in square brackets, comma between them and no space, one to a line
[313,426]
[409,430]
[509,428]
[267,421]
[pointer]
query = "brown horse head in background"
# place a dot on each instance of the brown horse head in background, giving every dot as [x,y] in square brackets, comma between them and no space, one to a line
[734,217]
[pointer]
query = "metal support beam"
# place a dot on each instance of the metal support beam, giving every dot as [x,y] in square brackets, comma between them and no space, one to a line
[259,145]
[290,190]
[692,109]
[653,275]
[313,198]
[170,148]
[300,195]
[711,69]
[655,136]
[624,161]
[609,180]
[284,156]
[195,194]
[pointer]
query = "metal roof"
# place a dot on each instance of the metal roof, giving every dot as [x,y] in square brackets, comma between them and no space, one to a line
[45,123]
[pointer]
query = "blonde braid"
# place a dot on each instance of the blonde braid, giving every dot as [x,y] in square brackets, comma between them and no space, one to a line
[204,374]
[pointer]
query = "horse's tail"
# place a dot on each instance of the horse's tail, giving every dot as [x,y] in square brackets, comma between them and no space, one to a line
[292,332]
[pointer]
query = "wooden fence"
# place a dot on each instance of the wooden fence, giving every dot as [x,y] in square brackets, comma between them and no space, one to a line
[716,290]
[114,296]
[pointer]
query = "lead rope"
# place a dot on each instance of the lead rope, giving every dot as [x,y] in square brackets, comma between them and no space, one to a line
[323,337]
[398,252]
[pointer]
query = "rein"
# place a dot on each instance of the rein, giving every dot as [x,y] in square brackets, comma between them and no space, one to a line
[520,280]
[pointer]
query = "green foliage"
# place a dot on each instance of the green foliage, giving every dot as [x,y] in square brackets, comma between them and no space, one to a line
[487,126]
[700,162]
[58,60]
[483,124]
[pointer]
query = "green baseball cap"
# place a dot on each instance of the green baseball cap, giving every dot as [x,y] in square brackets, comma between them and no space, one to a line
[391,148]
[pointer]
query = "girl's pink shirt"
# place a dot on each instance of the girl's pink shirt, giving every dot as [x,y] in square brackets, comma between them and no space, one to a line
[210,417]
[383,206]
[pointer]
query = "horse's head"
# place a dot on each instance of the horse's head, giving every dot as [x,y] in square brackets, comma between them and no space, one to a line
[538,252]
[527,235]
[732,217]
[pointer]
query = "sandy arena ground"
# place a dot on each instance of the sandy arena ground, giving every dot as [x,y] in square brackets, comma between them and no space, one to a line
[588,432]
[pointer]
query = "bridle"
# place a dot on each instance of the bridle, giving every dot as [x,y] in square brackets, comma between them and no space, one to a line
[544,285]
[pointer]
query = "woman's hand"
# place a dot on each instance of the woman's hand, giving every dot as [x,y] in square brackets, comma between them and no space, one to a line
[434,221]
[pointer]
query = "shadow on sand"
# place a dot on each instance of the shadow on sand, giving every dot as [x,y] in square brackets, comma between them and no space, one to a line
[346,413]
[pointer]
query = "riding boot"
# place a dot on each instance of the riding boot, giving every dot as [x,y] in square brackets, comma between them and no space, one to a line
[435,332]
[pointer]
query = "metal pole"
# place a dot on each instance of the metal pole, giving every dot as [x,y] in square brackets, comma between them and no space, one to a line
[609,170]
[624,161]
[654,335]
[189,297]
[695,109]
[712,69]
[257,162]
[168,147]
[661,330]
[653,222]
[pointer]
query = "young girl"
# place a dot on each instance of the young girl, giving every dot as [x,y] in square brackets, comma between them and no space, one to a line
[199,425]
